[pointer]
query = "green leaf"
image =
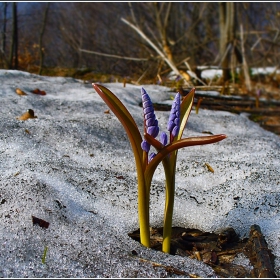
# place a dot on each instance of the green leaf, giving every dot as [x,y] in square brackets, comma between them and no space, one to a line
[124,117]
[135,138]
[185,109]
[175,145]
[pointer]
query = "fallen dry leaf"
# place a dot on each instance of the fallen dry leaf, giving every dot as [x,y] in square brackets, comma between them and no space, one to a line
[107,112]
[20,92]
[38,91]
[209,167]
[29,114]
[40,222]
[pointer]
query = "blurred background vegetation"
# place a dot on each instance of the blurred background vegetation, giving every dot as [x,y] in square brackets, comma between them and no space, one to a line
[140,41]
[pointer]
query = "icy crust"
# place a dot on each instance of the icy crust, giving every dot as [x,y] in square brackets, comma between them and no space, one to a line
[74,168]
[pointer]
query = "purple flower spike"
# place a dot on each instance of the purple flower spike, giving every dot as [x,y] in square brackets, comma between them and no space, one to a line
[151,156]
[174,117]
[151,123]
[153,131]
[148,109]
[145,146]
[177,121]
[175,131]
[170,125]
[163,138]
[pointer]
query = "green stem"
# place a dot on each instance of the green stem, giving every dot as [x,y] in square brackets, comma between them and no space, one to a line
[143,206]
[168,211]
[169,165]
[169,169]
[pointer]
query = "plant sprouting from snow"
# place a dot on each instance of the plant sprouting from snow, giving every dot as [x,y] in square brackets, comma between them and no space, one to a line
[146,163]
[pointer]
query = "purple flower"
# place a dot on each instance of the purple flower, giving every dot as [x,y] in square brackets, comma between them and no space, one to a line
[174,117]
[145,146]
[153,130]
[151,123]
[163,138]
[151,156]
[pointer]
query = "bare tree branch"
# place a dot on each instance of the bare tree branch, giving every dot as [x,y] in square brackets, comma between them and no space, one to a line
[161,54]
[132,13]
[115,56]
[245,66]
[167,15]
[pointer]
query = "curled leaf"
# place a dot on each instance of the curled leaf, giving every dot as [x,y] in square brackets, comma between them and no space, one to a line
[29,114]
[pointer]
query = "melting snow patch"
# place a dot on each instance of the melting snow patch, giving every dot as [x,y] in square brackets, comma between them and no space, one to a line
[74,168]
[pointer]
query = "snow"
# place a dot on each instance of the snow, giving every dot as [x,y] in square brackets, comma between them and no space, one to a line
[265,70]
[73,167]
[210,72]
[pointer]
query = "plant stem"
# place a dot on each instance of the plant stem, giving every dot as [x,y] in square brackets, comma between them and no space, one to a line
[143,214]
[169,168]
[168,213]
[135,140]
[143,206]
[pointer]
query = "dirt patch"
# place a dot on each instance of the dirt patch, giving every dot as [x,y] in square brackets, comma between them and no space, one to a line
[225,252]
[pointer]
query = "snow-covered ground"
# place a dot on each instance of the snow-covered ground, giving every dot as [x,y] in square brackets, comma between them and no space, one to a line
[210,72]
[73,167]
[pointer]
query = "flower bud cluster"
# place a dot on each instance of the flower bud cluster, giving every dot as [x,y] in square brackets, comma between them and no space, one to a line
[174,117]
[163,138]
[151,123]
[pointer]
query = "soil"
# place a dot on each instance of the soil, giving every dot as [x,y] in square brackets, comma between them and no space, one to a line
[225,252]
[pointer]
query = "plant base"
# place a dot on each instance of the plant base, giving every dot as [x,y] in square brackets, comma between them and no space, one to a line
[225,252]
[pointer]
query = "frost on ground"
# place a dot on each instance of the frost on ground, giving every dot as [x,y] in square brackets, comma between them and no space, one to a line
[73,167]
